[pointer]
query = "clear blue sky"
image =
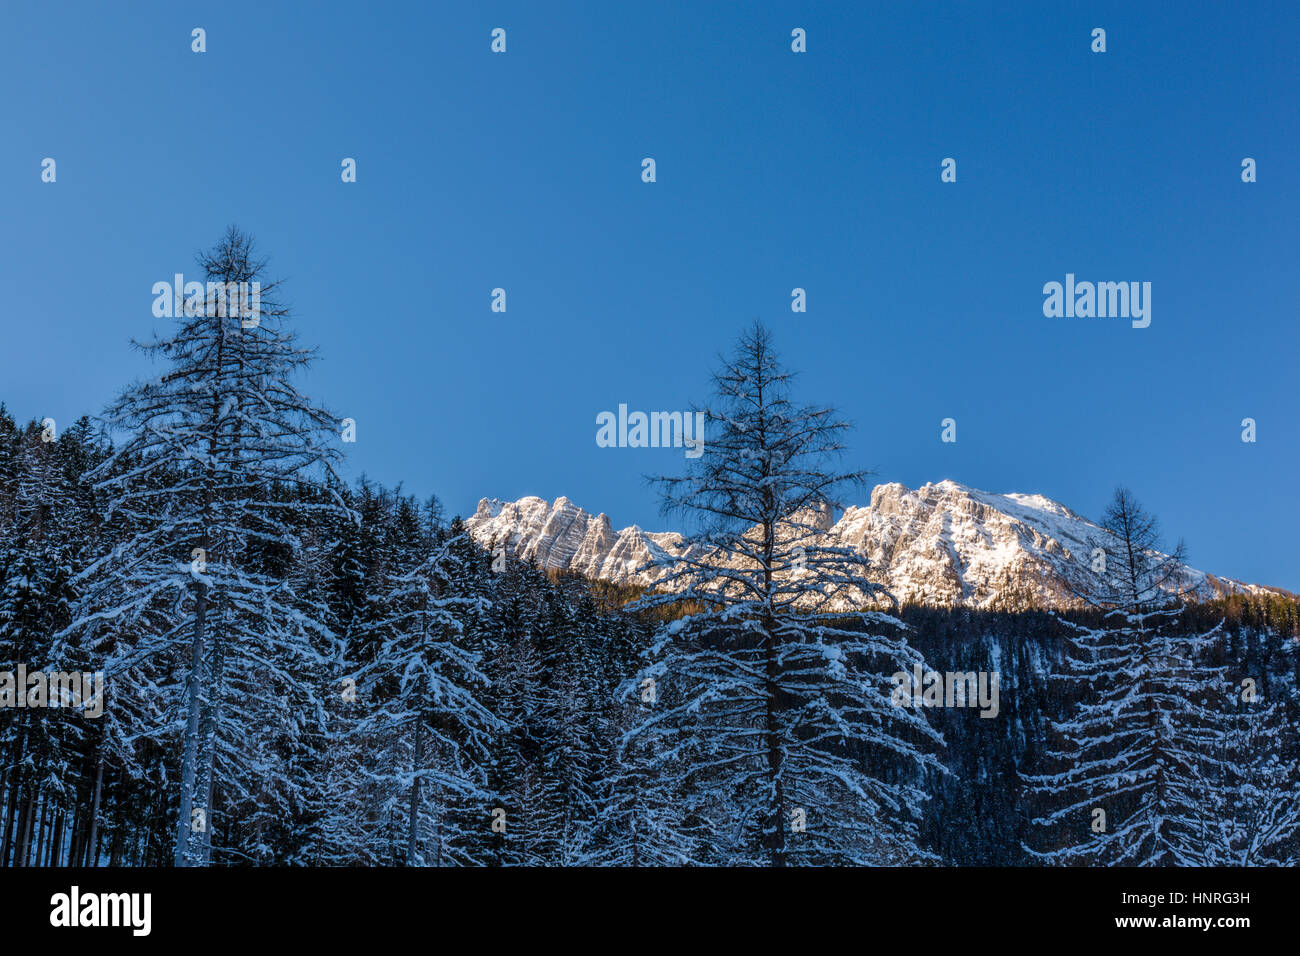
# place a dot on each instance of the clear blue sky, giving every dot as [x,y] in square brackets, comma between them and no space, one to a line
[775,170]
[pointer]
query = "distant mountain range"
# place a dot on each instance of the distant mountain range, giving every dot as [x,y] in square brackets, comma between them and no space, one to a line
[941,544]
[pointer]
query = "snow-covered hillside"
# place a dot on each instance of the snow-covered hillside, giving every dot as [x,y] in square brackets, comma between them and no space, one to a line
[943,544]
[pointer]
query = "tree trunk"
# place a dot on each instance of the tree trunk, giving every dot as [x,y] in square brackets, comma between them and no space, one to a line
[56,841]
[442,812]
[771,687]
[11,793]
[772,741]
[190,756]
[213,718]
[25,830]
[415,795]
[42,819]
[94,800]
[12,815]
[74,832]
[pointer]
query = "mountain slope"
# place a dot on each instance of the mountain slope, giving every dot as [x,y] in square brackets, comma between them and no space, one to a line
[942,544]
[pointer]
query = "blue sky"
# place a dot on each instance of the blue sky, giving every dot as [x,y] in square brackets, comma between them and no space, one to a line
[775,170]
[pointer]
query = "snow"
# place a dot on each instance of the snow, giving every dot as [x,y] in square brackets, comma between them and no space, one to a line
[944,543]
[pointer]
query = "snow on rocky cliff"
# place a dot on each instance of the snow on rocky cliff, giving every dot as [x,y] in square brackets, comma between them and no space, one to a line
[941,544]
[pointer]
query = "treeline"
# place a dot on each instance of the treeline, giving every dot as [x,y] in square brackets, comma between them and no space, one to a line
[302,672]
[983,813]
[333,784]
[321,774]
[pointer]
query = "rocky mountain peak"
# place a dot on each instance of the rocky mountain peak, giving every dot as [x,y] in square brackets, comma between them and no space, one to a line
[943,544]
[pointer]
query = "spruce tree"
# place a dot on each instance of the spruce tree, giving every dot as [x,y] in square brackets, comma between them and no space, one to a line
[430,715]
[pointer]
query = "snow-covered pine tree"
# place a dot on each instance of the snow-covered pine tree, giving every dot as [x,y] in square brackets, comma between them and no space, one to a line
[1253,795]
[776,693]
[22,641]
[429,720]
[515,821]
[207,485]
[1136,751]
[10,449]
[45,520]
[577,746]
[356,801]
[461,833]
[653,813]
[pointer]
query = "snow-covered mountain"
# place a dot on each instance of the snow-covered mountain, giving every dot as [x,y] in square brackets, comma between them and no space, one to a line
[941,544]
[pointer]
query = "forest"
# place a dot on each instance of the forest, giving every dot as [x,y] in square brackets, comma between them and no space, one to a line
[300,671]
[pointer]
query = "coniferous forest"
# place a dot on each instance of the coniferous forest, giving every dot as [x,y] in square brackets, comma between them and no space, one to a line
[304,671]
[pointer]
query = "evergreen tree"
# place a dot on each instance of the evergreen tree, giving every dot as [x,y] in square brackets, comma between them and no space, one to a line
[516,816]
[206,482]
[430,716]
[1253,794]
[780,694]
[1141,741]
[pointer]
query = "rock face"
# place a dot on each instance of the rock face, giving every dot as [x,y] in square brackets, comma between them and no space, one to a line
[942,544]
[562,536]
